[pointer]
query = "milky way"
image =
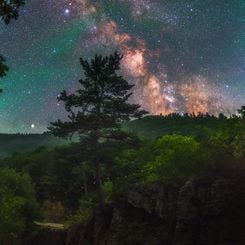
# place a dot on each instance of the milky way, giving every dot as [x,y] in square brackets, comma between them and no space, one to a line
[182,56]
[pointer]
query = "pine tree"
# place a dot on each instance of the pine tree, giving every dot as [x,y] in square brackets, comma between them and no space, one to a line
[98,108]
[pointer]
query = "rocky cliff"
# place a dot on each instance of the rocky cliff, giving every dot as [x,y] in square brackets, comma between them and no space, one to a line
[197,212]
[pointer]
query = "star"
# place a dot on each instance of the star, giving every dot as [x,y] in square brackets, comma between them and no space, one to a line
[195,46]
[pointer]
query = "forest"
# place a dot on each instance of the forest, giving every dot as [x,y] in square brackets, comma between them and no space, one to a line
[111,173]
[125,170]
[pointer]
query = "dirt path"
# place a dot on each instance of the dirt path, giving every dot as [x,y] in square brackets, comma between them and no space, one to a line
[50,225]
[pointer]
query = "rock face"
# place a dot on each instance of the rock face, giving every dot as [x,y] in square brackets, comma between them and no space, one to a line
[196,212]
[96,231]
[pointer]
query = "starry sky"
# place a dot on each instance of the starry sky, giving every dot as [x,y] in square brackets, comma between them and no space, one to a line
[182,56]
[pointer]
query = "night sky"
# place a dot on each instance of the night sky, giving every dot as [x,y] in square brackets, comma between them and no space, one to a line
[182,55]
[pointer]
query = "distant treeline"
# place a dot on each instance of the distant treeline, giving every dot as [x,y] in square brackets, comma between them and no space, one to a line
[17,143]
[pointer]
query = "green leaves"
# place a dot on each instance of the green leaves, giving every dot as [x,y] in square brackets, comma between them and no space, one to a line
[18,206]
[229,140]
[176,156]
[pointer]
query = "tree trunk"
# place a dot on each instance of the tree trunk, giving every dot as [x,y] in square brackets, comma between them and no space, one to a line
[85,182]
[98,177]
[101,198]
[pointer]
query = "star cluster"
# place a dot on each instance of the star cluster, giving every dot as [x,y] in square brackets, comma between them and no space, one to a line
[182,56]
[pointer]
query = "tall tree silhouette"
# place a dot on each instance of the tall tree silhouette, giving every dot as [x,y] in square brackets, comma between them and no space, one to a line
[98,108]
[9,9]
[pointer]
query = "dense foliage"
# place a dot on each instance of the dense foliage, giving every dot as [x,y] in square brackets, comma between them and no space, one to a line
[18,206]
[65,174]
[213,149]
[198,158]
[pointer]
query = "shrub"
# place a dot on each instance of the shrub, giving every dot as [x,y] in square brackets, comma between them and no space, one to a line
[18,206]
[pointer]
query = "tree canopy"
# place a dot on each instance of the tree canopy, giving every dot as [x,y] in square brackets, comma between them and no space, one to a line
[18,206]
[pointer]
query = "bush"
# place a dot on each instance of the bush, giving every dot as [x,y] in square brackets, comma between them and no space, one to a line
[84,212]
[18,206]
[176,157]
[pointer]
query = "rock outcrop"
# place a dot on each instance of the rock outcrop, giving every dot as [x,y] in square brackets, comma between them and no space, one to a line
[196,213]
[205,211]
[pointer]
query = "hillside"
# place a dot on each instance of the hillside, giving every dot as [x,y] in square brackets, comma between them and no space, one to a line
[13,143]
[176,189]
[152,127]
[149,127]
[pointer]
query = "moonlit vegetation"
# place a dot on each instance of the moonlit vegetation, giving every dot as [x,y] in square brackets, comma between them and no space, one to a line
[142,141]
